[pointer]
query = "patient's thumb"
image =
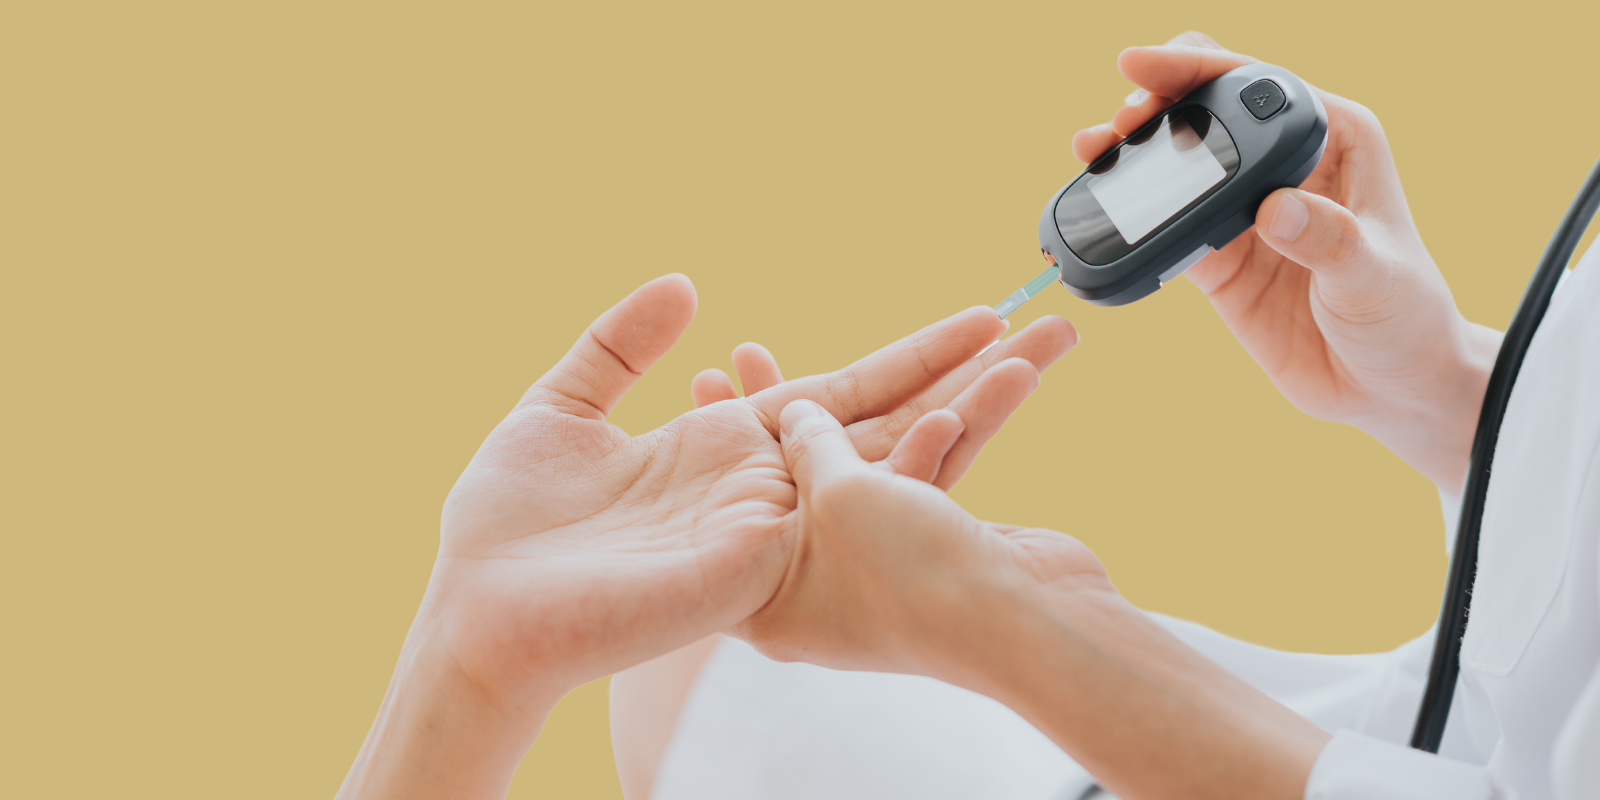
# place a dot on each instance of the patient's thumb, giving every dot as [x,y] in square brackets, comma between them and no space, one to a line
[814,443]
[1314,232]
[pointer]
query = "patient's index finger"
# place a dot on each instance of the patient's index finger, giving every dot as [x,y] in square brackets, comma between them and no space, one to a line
[1041,343]
[893,375]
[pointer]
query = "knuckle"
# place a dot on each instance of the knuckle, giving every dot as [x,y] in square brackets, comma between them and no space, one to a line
[781,651]
[901,420]
[1366,119]
[1345,246]
[845,391]
[800,441]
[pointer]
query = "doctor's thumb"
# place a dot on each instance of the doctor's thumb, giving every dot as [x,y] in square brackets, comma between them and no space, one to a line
[1314,232]
[815,445]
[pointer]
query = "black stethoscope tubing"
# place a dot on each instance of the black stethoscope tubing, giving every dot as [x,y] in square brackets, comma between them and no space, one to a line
[1446,666]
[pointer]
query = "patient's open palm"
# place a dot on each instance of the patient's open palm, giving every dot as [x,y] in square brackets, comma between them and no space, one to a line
[566,536]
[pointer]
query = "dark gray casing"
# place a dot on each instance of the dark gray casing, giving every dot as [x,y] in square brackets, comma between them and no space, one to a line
[1280,151]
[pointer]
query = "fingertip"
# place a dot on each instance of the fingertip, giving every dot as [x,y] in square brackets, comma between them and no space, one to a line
[1130,118]
[1019,369]
[1068,331]
[667,303]
[941,428]
[1195,39]
[982,324]
[749,350]
[984,407]
[758,370]
[711,386]
[1129,55]
[985,316]
[1175,69]
[1005,324]
[922,449]
[1282,217]
[1313,231]
[637,331]
[943,416]
[1092,142]
[798,413]
[676,288]
[1058,337]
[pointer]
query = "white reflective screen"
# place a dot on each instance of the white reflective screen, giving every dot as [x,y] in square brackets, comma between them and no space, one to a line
[1155,180]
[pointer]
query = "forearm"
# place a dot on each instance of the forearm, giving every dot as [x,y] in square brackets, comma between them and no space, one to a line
[439,734]
[1148,716]
[1432,429]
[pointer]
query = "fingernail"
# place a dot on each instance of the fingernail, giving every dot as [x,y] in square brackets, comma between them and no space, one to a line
[1290,219]
[1135,97]
[798,411]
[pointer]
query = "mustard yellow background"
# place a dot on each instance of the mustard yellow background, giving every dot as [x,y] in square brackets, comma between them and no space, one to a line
[272,271]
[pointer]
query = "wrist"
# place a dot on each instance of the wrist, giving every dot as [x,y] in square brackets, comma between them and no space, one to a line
[984,626]
[1135,706]
[1432,427]
[1029,630]
[440,732]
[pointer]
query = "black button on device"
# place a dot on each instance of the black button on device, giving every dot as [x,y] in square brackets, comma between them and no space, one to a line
[1263,98]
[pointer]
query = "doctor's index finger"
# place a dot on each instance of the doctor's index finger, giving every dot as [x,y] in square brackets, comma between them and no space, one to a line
[1163,74]
[1176,69]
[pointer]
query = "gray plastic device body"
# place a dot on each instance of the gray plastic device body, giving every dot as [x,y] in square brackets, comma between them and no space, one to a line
[1272,153]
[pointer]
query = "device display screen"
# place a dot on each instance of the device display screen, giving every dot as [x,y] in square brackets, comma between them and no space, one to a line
[1144,183]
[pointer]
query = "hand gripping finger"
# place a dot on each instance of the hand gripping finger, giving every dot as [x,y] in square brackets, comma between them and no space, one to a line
[815,445]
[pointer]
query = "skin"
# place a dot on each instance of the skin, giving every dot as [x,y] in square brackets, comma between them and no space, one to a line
[1336,297]
[647,699]
[1333,292]
[569,550]
[893,576]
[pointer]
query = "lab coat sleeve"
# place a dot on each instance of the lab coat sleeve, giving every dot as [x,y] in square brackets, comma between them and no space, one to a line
[1357,767]
[1574,768]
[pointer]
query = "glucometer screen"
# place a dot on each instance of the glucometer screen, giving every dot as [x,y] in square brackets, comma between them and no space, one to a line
[1144,183]
[1155,179]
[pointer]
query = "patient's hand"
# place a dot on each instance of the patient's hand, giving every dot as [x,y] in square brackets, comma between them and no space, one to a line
[1333,292]
[891,575]
[570,550]
[646,699]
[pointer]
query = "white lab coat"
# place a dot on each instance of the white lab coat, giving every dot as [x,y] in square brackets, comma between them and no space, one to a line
[1525,723]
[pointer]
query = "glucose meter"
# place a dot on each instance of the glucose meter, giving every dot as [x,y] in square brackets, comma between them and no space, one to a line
[1181,186]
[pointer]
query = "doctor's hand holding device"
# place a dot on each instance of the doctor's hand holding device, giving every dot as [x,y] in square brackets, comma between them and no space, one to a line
[1189,181]
[1333,293]
[1184,184]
